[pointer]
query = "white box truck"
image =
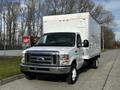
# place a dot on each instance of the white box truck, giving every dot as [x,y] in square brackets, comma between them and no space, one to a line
[67,42]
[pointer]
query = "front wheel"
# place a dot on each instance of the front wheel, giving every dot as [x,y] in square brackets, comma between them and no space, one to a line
[72,76]
[29,76]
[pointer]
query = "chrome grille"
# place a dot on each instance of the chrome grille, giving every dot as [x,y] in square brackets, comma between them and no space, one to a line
[42,58]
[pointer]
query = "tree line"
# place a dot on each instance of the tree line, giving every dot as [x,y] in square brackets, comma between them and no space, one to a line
[18,19]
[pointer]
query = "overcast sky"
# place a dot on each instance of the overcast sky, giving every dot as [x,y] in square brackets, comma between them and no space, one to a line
[114,7]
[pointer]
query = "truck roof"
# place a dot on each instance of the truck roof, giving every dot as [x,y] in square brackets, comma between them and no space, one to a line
[66,16]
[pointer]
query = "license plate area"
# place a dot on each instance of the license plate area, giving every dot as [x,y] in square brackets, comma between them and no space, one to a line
[39,69]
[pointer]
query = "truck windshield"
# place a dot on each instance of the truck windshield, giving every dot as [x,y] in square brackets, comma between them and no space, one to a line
[57,39]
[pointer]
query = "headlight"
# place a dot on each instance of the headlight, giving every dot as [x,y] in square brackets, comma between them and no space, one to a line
[64,59]
[23,59]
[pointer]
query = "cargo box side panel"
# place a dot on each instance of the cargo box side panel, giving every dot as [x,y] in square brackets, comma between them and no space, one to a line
[94,38]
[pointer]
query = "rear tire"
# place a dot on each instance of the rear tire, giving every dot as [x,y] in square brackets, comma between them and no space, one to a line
[86,64]
[72,76]
[95,64]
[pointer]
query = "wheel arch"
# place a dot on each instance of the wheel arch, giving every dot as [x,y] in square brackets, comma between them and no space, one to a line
[74,62]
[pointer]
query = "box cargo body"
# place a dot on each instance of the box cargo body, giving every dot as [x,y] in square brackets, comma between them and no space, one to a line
[81,23]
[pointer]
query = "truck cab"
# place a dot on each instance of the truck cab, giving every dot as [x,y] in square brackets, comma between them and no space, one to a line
[54,53]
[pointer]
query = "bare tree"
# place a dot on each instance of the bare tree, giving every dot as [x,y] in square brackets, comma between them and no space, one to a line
[109,37]
[15,13]
[23,17]
[30,23]
[31,15]
[52,7]
[10,15]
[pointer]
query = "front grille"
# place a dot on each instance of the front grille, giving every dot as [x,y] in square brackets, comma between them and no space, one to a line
[42,58]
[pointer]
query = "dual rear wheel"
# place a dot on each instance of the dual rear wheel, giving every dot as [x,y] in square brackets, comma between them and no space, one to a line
[93,63]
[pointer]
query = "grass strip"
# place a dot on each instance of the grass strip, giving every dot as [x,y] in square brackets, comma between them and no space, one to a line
[9,66]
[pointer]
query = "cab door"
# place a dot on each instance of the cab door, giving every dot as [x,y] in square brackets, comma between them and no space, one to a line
[80,51]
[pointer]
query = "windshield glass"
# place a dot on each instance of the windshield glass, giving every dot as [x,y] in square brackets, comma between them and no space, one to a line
[57,39]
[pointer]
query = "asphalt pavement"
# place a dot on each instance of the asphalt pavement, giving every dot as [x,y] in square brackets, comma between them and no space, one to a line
[106,77]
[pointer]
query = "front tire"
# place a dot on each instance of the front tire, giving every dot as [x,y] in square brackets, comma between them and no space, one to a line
[29,76]
[72,76]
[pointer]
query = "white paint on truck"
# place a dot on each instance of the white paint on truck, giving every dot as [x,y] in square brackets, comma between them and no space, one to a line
[67,42]
[81,23]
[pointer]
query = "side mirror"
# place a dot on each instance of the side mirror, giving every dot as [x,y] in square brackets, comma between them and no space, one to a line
[86,43]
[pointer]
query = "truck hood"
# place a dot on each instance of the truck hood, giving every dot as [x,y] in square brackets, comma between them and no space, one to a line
[61,50]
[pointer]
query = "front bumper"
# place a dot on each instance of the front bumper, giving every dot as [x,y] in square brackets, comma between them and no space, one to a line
[45,69]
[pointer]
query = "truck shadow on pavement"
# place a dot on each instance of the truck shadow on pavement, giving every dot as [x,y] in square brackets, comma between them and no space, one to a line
[59,78]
